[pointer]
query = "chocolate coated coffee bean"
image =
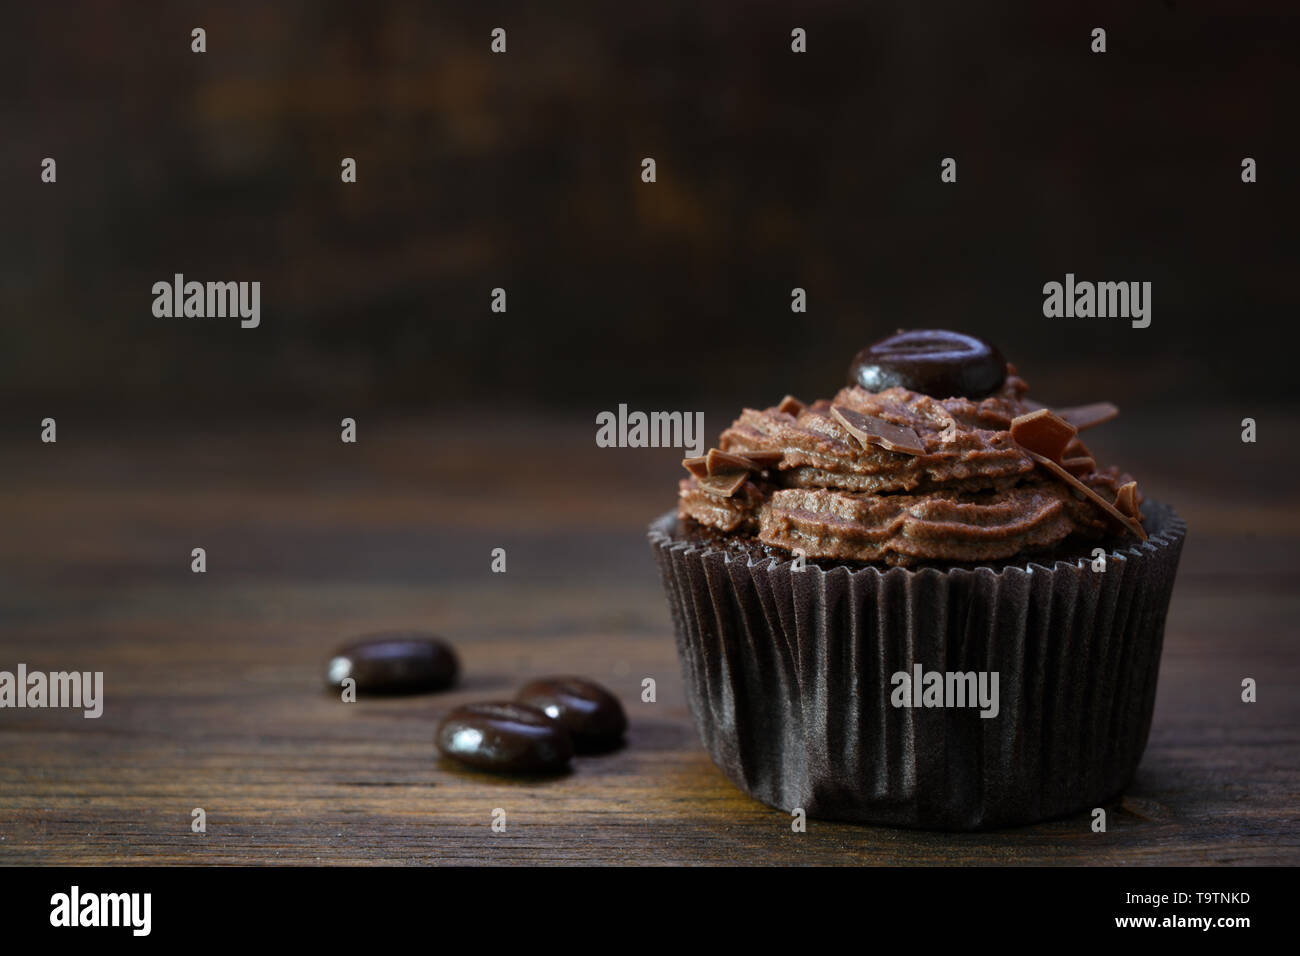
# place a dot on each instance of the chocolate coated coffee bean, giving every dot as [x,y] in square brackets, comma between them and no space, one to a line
[505,737]
[395,662]
[934,362]
[592,714]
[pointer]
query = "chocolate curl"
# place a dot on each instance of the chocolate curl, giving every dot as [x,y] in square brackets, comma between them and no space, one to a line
[699,467]
[1097,499]
[869,430]
[1044,436]
[723,463]
[1043,432]
[1079,467]
[1126,499]
[1081,416]
[1088,416]
[719,462]
[724,486]
[790,405]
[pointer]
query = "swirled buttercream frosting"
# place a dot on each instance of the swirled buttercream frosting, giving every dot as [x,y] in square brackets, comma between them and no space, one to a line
[898,477]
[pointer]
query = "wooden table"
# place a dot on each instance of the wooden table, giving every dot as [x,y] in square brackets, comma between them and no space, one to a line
[214,682]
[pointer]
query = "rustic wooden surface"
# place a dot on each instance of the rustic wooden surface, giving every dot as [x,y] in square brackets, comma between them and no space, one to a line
[214,693]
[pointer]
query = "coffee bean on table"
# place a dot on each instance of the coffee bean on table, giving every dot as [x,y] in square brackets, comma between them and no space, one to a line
[395,662]
[592,714]
[505,737]
[935,362]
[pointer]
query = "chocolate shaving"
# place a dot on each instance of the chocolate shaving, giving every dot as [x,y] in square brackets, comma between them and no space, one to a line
[1081,416]
[727,463]
[1044,436]
[1097,499]
[1043,432]
[719,462]
[1086,416]
[699,467]
[1126,500]
[724,486]
[790,405]
[869,430]
[1080,466]
[723,463]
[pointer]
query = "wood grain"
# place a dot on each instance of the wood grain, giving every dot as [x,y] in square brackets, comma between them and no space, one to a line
[214,682]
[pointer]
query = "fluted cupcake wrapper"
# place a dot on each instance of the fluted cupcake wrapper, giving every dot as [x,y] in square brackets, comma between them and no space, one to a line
[790,679]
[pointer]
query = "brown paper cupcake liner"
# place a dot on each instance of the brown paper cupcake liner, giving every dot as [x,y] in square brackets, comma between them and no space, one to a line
[789,677]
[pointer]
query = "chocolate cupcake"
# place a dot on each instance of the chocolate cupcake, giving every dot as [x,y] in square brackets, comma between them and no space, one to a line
[921,603]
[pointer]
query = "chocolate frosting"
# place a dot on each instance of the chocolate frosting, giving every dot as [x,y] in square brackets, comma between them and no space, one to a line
[973,495]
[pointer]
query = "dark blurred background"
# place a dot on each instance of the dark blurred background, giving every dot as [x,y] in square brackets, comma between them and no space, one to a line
[522,170]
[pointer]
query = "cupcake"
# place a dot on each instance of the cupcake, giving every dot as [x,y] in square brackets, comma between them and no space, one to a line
[922,602]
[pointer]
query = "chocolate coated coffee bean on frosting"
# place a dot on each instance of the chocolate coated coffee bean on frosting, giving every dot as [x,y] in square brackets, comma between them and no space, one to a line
[395,662]
[934,362]
[592,714]
[507,737]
